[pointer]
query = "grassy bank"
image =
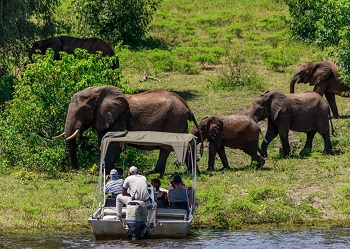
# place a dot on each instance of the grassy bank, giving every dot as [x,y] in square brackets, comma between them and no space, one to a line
[208,52]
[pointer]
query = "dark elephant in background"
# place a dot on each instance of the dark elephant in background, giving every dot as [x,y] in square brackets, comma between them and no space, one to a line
[303,112]
[109,109]
[68,44]
[233,131]
[323,75]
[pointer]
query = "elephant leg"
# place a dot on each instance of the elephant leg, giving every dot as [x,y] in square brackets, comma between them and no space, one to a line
[332,104]
[112,154]
[189,161]
[285,144]
[212,153]
[310,138]
[327,143]
[252,150]
[270,135]
[163,156]
[223,157]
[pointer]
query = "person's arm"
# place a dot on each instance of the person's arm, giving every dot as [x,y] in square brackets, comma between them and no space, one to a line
[125,192]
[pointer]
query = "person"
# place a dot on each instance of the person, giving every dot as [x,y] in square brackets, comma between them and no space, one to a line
[115,185]
[188,195]
[135,187]
[162,196]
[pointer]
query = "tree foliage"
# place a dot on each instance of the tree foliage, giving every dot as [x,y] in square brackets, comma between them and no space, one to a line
[20,22]
[326,22]
[115,20]
[38,109]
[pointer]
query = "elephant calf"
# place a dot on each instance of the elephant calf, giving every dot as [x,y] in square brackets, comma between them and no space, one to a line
[237,132]
[304,112]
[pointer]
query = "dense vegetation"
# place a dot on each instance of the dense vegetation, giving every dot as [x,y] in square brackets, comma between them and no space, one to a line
[218,55]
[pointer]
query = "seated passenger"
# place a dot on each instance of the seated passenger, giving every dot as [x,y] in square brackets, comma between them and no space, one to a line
[179,195]
[113,187]
[162,196]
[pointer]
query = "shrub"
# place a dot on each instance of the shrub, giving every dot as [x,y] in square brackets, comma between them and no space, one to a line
[38,109]
[122,20]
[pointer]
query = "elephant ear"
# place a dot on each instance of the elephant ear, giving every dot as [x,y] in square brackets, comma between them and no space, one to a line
[214,128]
[110,104]
[320,72]
[277,99]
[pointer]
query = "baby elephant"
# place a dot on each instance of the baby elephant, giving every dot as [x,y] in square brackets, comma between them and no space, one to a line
[303,112]
[237,132]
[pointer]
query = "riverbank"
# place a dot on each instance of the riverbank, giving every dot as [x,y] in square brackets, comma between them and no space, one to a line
[276,197]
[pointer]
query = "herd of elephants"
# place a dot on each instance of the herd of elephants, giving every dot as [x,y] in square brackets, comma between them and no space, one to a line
[109,109]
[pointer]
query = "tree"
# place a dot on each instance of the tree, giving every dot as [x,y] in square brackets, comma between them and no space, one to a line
[20,22]
[38,109]
[115,20]
[325,22]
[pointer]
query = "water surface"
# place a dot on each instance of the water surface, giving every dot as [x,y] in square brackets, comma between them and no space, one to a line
[271,239]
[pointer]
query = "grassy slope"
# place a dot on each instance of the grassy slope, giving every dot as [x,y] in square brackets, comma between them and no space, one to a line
[299,190]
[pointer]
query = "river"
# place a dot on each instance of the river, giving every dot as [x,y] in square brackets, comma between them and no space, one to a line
[252,239]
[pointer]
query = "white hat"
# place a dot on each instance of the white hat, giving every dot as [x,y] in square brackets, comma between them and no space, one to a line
[133,169]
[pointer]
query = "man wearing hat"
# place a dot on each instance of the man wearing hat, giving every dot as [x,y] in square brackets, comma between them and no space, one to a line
[135,188]
[115,185]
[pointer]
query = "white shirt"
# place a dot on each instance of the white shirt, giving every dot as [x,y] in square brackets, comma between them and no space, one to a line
[137,184]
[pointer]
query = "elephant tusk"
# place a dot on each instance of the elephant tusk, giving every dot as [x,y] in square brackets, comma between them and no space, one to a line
[74,135]
[59,136]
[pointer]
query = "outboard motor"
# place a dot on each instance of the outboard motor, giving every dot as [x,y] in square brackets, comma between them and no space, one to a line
[136,219]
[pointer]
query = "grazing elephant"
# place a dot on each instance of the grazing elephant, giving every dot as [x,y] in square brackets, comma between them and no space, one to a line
[304,112]
[68,44]
[323,75]
[237,132]
[109,109]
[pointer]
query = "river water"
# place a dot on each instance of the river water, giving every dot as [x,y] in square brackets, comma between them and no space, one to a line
[267,239]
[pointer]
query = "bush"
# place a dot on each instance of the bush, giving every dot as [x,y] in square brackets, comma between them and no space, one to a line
[38,109]
[121,20]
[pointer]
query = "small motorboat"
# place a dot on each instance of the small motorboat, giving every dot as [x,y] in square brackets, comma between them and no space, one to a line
[169,223]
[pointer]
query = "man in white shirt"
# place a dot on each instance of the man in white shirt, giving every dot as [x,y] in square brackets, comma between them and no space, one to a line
[137,186]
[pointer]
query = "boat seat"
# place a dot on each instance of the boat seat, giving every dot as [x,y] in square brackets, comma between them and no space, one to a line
[113,211]
[179,199]
[171,214]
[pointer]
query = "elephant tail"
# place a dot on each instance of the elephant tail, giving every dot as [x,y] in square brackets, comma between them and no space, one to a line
[192,118]
[332,127]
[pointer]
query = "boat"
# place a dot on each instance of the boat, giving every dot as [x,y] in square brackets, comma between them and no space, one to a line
[169,222]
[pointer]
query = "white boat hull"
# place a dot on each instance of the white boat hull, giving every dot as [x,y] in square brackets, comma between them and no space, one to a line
[170,223]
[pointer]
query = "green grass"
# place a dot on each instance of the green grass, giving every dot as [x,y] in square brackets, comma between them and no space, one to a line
[199,48]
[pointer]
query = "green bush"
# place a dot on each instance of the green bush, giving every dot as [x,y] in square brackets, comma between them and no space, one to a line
[37,111]
[121,20]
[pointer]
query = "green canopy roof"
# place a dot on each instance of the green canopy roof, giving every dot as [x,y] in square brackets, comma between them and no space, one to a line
[177,142]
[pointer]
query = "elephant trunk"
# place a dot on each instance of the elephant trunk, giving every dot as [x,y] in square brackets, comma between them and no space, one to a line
[295,79]
[71,143]
[71,147]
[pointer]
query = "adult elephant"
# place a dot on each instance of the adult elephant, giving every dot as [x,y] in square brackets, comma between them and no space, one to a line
[68,44]
[323,75]
[109,109]
[233,131]
[303,112]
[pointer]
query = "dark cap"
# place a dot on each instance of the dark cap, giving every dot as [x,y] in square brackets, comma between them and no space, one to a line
[177,179]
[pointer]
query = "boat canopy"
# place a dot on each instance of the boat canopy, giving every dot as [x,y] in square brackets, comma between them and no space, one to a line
[178,141]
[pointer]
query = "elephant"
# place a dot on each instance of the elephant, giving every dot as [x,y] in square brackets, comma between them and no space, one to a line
[109,109]
[323,75]
[302,112]
[233,131]
[68,44]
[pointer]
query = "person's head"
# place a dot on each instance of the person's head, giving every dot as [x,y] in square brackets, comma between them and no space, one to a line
[156,183]
[114,174]
[177,180]
[133,170]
